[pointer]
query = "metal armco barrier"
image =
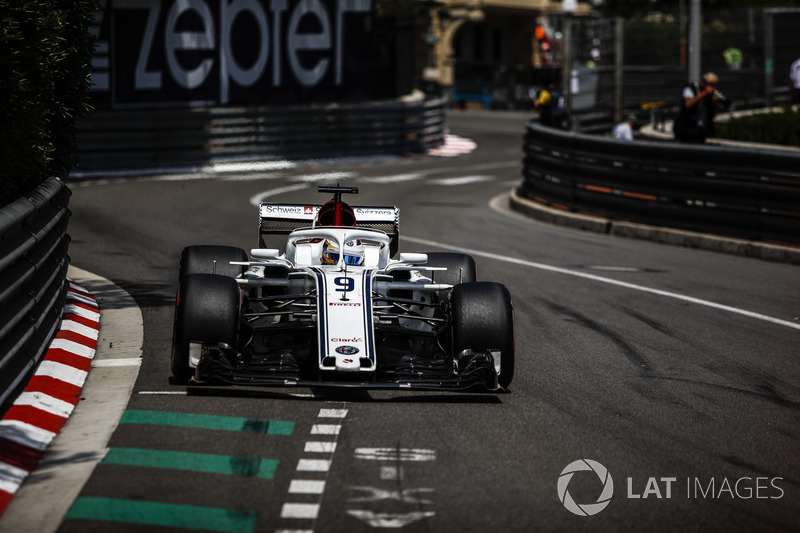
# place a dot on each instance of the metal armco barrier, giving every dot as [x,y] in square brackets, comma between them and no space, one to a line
[738,192]
[136,139]
[33,281]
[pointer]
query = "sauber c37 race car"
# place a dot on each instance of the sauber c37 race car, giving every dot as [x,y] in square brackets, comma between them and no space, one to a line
[335,309]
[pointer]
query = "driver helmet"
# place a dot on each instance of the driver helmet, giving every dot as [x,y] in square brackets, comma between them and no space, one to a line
[353,252]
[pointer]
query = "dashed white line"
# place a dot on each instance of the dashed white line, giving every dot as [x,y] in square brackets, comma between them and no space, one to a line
[332,413]
[312,474]
[320,447]
[325,429]
[306,486]
[300,510]
[313,465]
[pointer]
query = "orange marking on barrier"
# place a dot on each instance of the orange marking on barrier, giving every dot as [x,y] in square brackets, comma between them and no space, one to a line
[640,196]
[599,189]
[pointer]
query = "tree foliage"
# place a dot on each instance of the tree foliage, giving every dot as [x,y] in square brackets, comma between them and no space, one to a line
[45,57]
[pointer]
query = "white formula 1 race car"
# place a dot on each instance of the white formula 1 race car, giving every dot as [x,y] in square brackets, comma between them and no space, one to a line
[336,310]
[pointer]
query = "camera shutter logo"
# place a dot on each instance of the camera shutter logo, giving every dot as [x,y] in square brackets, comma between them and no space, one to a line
[587,509]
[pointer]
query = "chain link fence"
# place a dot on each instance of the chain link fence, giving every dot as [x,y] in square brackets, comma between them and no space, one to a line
[750,49]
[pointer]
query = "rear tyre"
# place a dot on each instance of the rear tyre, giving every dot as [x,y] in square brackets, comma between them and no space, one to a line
[210,259]
[207,310]
[483,319]
[461,268]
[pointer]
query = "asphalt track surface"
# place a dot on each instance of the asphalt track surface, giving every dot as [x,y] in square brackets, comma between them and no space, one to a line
[675,369]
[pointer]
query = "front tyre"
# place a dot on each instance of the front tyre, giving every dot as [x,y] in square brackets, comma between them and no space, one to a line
[207,310]
[212,259]
[483,319]
[461,268]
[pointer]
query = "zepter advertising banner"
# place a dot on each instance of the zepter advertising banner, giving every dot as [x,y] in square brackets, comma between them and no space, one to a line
[175,53]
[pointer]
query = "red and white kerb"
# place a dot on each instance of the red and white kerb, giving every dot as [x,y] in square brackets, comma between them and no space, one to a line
[40,412]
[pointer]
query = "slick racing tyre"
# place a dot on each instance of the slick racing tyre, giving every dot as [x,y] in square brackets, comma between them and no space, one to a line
[207,310]
[460,268]
[209,259]
[483,319]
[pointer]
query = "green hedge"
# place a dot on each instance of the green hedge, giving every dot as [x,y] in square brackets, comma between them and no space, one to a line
[45,58]
[770,128]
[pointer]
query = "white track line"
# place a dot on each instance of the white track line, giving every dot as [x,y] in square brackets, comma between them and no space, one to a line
[609,281]
[460,180]
[260,197]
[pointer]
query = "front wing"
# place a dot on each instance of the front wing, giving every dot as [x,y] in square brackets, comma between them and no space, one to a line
[469,371]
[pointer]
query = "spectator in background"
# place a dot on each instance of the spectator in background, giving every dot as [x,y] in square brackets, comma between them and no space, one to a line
[700,103]
[544,104]
[624,130]
[794,76]
[552,107]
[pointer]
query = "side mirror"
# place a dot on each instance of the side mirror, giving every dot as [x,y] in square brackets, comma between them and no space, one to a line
[265,253]
[414,259]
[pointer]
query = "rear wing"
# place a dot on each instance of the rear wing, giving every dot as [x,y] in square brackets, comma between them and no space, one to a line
[282,219]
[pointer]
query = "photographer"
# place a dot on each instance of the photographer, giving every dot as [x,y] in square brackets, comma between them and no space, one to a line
[700,104]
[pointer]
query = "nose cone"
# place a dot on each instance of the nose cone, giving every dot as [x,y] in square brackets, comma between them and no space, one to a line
[347,359]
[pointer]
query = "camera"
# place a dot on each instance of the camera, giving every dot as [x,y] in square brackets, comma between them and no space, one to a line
[723,100]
